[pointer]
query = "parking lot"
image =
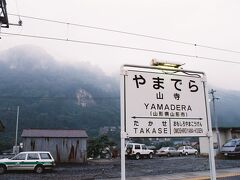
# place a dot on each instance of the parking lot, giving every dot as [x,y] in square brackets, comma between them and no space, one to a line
[104,169]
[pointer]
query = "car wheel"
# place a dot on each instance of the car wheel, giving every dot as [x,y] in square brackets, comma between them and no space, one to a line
[39,169]
[137,156]
[180,154]
[2,169]
[196,153]
[186,153]
[168,154]
[150,155]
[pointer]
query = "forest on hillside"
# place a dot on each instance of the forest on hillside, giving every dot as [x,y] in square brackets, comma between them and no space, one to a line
[54,95]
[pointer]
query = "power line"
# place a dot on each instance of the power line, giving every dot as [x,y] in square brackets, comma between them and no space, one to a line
[100,28]
[60,98]
[120,46]
[128,33]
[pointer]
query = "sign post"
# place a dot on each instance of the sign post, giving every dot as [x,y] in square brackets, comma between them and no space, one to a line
[123,130]
[161,102]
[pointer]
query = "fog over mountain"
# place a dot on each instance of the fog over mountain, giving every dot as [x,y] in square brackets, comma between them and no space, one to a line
[227,108]
[55,95]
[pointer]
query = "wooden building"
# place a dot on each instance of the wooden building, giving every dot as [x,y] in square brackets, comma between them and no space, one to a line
[64,145]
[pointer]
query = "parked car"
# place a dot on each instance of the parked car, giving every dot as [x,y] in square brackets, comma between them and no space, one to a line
[37,161]
[231,148]
[138,151]
[187,150]
[167,151]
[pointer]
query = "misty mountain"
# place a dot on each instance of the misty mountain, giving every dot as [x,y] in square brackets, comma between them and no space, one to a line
[54,95]
[57,95]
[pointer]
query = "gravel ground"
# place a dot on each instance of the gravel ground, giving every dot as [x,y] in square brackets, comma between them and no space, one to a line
[103,169]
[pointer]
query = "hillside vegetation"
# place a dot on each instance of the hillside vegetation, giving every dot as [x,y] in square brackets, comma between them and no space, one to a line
[54,95]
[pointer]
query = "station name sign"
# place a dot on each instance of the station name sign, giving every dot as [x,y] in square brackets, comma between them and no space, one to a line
[159,103]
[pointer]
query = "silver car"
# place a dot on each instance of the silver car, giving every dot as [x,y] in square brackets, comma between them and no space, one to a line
[187,150]
[167,151]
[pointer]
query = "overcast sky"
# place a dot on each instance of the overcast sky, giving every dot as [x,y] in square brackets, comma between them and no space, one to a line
[206,22]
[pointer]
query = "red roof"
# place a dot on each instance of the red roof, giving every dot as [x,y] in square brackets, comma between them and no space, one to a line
[59,133]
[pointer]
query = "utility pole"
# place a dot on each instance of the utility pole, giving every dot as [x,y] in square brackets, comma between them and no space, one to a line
[3,14]
[17,127]
[0,25]
[16,147]
[215,118]
[4,23]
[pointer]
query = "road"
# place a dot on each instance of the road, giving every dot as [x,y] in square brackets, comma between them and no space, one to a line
[98,169]
[230,178]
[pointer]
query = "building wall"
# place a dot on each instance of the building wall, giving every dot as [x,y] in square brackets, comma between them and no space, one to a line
[203,143]
[225,135]
[236,134]
[62,149]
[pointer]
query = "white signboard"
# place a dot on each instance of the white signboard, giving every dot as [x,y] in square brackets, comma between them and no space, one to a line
[164,103]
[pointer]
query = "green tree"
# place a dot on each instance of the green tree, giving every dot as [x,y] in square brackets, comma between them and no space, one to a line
[4,145]
[97,146]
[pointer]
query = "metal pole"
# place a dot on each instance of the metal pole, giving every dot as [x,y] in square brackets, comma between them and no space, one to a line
[210,137]
[17,127]
[0,28]
[215,119]
[211,158]
[123,133]
[123,168]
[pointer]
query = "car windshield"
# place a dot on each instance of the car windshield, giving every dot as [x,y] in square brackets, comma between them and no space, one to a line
[231,143]
[19,157]
[129,146]
[164,148]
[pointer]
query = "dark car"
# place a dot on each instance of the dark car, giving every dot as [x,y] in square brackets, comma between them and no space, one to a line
[231,148]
